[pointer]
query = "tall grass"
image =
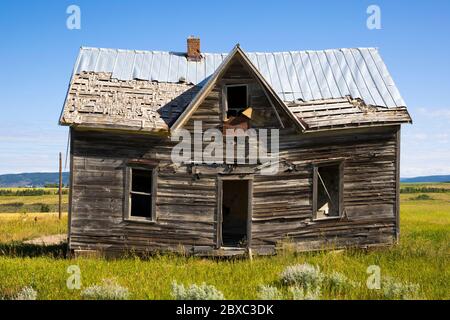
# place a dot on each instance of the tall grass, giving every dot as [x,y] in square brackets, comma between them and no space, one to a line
[30,200]
[422,258]
[20,227]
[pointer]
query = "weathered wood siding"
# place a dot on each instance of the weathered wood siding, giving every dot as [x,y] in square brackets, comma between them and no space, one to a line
[283,203]
[185,207]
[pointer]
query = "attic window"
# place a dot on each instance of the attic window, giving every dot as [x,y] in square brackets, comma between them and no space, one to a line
[236,99]
[327,202]
[141,194]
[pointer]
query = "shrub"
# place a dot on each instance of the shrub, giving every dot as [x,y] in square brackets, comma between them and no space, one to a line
[24,192]
[196,292]
[108,290]
[393,289]
[299,293]
[51,185]
[422,197]
[14,204]
[336,281]
[423,190]
[26,293]
[304,275]
[30,192]
[269,293]
[45,207]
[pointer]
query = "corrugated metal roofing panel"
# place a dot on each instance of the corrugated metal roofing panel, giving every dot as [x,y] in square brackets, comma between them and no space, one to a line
[311,78]
[106,59]
[210,64]
[145,65]
[320,76]
[294,75]
[367,76]
[303,83]
[352,88]
[376,77]
[382,69]
[329,75]
[280,66]
[291,75]
[163,74]
[358,77]
[137,70]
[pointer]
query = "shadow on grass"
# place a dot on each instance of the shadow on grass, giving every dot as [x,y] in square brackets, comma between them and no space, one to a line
[19,249]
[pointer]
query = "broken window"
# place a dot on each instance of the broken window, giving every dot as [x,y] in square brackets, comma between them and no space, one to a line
[236,99]
[141,202]
[327,202]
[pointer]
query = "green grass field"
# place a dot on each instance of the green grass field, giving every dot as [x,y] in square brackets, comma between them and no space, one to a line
[422,257]
[13,202]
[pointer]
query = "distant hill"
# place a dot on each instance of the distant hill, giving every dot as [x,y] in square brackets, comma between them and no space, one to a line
[34,179]
[39,179]
[443,178]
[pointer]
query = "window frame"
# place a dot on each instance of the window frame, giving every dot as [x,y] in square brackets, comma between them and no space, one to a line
[328,163]
[225,96]
[128,191]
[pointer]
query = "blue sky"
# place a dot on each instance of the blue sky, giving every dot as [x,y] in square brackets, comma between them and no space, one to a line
[38,53]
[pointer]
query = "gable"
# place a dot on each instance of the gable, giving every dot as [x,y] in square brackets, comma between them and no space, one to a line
[211,111]
[267,108]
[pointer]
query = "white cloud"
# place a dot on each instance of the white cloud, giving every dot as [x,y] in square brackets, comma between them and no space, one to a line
[426,144]
[420,136]
[436,113]
[31,147]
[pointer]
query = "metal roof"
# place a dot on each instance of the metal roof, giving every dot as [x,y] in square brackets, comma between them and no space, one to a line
[294,75]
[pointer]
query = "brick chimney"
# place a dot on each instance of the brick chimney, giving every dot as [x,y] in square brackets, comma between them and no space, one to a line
[193,48]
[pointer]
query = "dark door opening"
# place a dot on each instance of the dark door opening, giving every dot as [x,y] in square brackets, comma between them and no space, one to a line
[235,206]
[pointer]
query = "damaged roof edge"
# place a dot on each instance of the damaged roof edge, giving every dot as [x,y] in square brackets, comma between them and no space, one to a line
[74,68]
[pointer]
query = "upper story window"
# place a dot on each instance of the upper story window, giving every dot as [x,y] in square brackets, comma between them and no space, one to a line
[328,190]
[141,192]
[237,99]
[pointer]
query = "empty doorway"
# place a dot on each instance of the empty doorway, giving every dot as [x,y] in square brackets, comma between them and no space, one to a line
[235,213]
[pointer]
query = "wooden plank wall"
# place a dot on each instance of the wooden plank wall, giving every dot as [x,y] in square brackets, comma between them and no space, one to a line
[283,203]
[185,207]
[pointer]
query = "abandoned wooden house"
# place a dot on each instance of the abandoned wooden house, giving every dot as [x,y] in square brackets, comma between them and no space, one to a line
[337,113]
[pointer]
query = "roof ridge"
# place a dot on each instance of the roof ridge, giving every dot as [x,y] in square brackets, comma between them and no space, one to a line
[221,53]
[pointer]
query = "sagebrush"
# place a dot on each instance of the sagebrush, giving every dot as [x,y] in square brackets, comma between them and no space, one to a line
[196,292]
